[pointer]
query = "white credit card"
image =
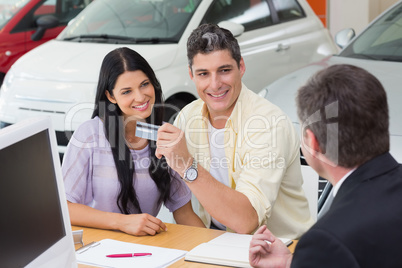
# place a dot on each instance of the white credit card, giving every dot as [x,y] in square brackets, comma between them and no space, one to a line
[146,131]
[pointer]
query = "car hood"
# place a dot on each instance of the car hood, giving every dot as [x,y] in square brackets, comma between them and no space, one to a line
[389,73]
[66,61]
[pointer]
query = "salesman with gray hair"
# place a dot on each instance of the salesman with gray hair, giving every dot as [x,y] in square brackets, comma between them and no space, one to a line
[344,114]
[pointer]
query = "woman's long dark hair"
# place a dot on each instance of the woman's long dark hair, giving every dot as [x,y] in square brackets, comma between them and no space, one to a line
[114,64]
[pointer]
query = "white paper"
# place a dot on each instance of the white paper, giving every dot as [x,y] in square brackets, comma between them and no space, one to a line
[227,249]
[242,240]
[161,257]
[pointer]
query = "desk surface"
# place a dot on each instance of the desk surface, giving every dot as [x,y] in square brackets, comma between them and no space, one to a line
[177,237]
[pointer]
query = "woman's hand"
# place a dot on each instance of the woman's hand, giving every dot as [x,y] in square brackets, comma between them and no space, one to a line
[140,224]
[134,224]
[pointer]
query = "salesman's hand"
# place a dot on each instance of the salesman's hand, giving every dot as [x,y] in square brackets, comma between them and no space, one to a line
[171,144]
[273,253]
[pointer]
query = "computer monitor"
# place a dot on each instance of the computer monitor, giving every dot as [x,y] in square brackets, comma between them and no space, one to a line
[35,229]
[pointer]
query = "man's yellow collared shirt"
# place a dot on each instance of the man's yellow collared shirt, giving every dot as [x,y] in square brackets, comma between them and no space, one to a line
[262,153]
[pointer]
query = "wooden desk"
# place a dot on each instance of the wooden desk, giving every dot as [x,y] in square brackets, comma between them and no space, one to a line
[177,237]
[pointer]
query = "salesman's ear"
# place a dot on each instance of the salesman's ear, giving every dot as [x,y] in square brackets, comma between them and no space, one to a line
[310,143]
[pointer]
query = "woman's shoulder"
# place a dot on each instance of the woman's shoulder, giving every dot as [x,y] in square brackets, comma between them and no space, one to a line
[90,128]
[91,125]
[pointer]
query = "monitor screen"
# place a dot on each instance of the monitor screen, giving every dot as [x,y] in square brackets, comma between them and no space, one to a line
[31,206]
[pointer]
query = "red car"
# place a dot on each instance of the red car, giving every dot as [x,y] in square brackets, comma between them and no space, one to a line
[26,24]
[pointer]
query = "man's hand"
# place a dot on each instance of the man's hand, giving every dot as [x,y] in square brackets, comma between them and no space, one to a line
[171,144]
[268,251]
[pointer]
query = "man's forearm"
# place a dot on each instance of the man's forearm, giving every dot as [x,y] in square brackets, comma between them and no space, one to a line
[228,206]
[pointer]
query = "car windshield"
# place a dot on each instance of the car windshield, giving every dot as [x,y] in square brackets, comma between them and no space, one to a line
[381,41]
[134,21]
[8,8]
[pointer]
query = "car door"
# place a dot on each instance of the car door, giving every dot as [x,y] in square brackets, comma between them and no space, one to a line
[307,40]
[12,43]
[263,45]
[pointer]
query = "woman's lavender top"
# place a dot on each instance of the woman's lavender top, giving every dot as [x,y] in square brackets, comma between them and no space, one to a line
[90,175]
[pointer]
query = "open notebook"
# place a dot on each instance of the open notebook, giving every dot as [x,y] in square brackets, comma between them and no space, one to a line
[228,249]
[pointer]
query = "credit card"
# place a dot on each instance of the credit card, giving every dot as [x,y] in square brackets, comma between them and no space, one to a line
[146,131]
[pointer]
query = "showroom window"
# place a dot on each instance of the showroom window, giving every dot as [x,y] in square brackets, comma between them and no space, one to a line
[252,14]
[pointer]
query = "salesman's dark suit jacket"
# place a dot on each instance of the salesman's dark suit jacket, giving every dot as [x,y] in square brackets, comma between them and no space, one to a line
[363,227]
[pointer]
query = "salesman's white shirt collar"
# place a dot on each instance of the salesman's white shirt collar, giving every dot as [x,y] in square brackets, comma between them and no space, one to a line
[338,185]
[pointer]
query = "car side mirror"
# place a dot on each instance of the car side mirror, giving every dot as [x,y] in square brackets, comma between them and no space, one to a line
[44,23]
[343,37]
[235,28]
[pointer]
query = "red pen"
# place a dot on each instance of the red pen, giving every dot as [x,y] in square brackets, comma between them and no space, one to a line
[123,255]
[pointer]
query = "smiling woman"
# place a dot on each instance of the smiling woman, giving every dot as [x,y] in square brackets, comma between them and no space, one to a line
[134,94]
[113,179]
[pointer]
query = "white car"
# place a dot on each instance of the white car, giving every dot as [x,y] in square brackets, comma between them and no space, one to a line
[378,49]
[59,78]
